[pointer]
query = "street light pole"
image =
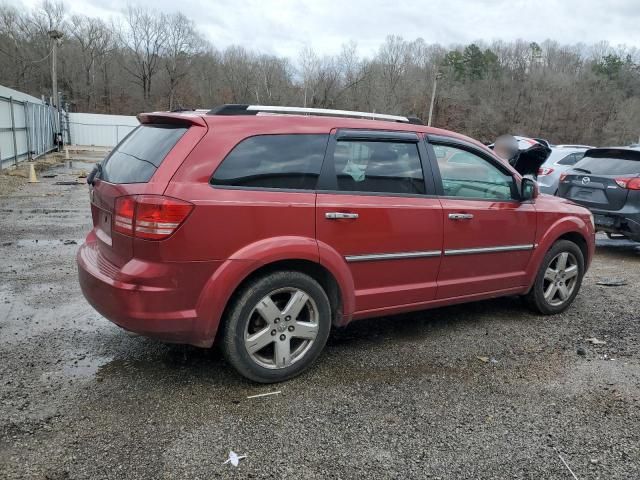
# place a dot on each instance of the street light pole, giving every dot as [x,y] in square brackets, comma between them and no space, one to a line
[55,36]
[433,96]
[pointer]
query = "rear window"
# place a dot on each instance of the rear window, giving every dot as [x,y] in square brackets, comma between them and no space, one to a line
[139,155]
[274,161]
[609,166]
[571,159]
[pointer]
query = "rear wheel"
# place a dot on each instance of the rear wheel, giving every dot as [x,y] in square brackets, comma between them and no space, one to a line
[558,280]
[277,326]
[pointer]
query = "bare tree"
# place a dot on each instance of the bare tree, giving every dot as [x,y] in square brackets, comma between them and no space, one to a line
[95,42]
[568,93]
[181,46]
[143,35]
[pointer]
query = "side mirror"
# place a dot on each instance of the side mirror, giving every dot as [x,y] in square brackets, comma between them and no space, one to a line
[528,189]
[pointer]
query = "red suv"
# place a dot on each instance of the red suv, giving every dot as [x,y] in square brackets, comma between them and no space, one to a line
[266,226]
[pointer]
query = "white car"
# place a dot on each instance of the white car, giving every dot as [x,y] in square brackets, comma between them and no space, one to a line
[561,159]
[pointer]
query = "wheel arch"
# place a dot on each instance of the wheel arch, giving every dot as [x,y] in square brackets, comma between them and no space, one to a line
[571,228]
[262,258]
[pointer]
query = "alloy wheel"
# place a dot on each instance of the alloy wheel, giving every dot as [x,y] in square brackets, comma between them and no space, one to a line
[282,327]
[560,278]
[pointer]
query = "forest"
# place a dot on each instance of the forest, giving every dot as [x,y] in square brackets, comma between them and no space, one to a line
[146,60]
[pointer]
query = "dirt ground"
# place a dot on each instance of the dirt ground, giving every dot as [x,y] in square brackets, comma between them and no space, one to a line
[403,397]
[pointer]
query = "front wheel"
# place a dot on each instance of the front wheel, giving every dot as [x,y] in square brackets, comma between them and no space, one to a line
[277,326]
[558,280]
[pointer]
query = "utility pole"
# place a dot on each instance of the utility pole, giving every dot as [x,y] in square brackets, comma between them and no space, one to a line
[55,36]
[433,96]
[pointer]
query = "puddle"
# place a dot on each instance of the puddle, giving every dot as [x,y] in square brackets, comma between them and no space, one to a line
[47,242]
[80,368]
[86,367]
[70,166]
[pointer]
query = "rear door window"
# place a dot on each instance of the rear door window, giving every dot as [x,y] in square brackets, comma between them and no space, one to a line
[609,166]
[274,161]
[139,155]
[379,167]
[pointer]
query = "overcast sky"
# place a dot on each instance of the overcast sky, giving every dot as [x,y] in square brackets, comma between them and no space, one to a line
[285,27]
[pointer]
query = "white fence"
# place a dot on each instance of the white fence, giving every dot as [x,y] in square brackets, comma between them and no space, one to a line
[27,127]
[92,129]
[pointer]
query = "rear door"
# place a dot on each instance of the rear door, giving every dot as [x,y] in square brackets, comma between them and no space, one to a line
[599,180]
[132,168]
[488,233]
[376,207]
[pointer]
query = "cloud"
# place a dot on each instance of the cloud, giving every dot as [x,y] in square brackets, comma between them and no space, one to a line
[284,27]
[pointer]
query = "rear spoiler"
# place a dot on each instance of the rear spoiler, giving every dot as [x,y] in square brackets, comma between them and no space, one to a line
[612,152]
[172,118]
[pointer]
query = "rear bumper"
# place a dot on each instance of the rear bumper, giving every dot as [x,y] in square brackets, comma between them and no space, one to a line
[622,222]
[159,301]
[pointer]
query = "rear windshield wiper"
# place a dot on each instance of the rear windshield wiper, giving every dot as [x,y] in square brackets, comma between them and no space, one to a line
[582,169]
[95,174]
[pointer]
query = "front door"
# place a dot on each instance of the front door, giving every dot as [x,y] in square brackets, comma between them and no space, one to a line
[489,234]
[376,209]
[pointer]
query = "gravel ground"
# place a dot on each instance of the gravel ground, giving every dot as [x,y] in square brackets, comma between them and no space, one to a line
[401,397]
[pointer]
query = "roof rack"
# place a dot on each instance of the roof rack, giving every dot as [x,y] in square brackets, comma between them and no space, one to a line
[242,109]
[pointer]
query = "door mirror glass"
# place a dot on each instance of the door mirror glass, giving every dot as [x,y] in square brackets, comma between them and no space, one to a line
[529,189]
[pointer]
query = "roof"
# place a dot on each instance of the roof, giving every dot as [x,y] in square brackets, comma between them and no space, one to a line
[278,123]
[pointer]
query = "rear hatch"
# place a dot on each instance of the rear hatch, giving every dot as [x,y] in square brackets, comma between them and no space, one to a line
[142,163]
[601,178]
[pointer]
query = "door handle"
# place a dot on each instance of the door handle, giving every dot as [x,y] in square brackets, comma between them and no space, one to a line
[460,216]
[340,216]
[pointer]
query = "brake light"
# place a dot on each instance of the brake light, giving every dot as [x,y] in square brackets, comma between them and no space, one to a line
[563,176]
[125,210]
[152,217]
[545,171]
[629,183]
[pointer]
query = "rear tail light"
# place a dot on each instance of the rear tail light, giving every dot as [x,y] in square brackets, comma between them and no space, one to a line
[563,176]
[629,183]
[152,217]
[545,171]
[124,212]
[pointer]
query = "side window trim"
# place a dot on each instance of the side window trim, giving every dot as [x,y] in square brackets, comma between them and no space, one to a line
[431,140]
[327,183]
[377,136]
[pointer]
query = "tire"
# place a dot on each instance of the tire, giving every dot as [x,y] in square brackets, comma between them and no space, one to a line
[566,283]
[261,341]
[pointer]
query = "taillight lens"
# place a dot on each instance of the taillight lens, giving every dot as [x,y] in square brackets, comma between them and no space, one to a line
[629,183]
[563,176]
[125,210]
[152,217]
[545,171]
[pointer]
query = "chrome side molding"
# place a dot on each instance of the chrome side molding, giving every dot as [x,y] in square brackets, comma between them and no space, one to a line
[504,248]
[392,256]
[372,257]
